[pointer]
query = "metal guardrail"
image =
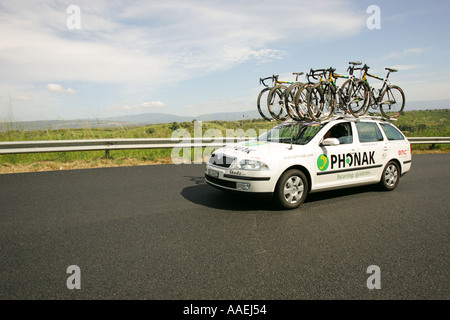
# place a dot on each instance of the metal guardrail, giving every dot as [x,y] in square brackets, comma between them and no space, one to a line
[429,140]
[18,147]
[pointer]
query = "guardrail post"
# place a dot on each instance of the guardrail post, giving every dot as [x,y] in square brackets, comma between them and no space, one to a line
[107,154]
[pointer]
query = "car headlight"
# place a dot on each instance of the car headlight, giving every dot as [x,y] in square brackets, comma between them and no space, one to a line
[251,165]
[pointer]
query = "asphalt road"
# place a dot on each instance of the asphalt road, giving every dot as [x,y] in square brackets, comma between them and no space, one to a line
[159,232]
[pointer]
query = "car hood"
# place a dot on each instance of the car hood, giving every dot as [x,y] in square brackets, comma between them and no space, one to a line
[256,150]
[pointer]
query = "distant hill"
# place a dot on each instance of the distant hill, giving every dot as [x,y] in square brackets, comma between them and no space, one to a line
[155,118]
[427,105]
[230,116]
[61,124]
[124,121]
[152,118]
[148,118]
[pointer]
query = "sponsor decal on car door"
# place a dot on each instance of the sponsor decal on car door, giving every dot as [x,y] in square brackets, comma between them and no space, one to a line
[332,159]
[349,163]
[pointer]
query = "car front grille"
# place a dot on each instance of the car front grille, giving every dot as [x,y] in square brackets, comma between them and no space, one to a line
[221,160]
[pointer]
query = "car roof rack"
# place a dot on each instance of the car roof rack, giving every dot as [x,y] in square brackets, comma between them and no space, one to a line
[370,117]
[342,117]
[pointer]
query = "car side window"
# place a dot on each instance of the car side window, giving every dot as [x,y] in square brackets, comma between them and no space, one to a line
[342,132]
[391,132]
[368,132]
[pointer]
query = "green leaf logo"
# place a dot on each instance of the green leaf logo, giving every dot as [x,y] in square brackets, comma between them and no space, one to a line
[322,162]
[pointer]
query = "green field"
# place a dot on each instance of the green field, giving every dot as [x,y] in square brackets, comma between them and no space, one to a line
[429,123]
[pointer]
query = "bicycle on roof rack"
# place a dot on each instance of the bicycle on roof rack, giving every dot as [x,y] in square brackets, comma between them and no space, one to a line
[327,98]
[389,99]
[273,96]
[279,107]
[353,94]
[262,97]
[321,97]
[296,97]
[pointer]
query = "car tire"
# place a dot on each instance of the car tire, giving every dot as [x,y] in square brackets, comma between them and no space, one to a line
[291,189]
[390,176]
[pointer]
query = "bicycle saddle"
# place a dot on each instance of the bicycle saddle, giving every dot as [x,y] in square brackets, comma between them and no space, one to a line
[391,70]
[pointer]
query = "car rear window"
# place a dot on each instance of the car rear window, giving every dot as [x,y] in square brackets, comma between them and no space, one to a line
[392,133]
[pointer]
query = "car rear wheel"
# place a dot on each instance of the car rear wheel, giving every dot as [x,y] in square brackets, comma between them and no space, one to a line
[390,176]
[291,190]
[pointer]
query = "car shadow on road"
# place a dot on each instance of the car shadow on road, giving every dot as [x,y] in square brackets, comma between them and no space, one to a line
[340,193]
[206,195]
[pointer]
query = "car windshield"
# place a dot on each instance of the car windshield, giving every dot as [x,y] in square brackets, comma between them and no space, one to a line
[295,133]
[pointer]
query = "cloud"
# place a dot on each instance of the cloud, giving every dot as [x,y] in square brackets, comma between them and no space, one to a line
[53,87]
[402,67]
[135,48]
[141,107]
[220,104]
[406,52]
[22,98]
[152,104]
[414,50]
[158,42]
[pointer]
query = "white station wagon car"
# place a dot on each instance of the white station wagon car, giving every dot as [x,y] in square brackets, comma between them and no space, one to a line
[296,158]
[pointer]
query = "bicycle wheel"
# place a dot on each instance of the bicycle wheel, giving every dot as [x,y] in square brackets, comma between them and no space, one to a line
[301,100]
[373,103]
[275,102]
[392,102]
[344,96]
[356,97]
[262,103]
[321,102]
[289,98]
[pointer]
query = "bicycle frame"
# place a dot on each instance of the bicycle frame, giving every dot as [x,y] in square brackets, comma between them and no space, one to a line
[385,80]
[334,76]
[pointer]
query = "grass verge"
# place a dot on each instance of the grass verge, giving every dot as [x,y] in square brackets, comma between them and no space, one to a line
[55,165]
[429,123]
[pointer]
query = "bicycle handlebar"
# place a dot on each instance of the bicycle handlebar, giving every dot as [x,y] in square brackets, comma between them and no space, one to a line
[312,73]
[273,77]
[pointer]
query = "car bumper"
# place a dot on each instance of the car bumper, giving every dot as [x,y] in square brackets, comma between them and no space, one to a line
[254,182]
[406,166]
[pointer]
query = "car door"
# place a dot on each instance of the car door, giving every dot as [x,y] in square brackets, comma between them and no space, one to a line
[371,151]
[399,147]
[333,160]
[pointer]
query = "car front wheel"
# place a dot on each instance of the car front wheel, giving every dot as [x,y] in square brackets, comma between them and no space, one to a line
[291,190]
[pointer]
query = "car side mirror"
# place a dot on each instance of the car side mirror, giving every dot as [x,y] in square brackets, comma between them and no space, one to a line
[330,142]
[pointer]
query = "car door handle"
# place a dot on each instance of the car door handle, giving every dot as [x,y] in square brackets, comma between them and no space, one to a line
[385,148]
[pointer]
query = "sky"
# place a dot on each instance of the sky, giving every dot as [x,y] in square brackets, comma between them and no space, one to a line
[62,60]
